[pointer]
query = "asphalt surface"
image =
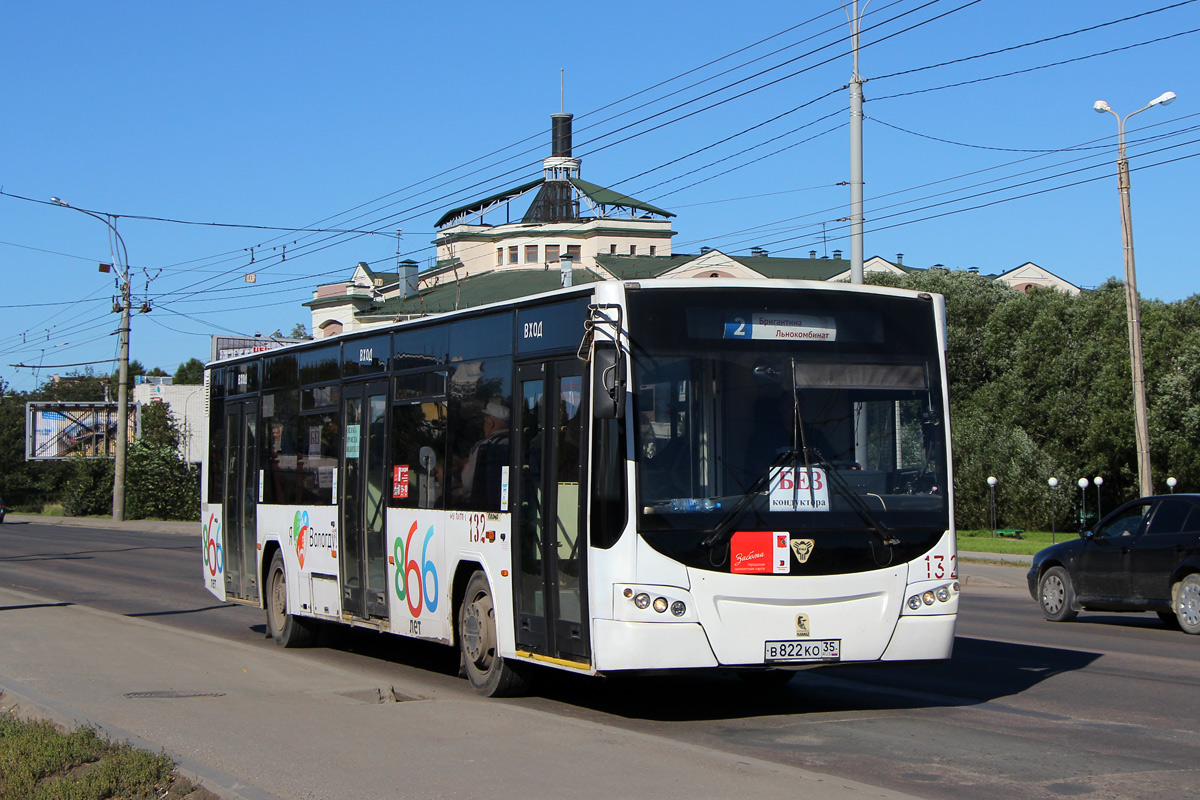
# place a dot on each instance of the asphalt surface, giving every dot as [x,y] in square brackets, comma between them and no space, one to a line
[257,723]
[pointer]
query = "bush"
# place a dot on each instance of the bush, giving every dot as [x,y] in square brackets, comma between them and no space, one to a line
[88,491]
[160,484]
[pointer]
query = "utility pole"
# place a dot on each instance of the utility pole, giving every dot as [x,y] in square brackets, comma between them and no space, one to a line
[122,263]
[856,152]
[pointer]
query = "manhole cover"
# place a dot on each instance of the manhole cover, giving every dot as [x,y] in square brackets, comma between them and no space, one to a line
[170,694]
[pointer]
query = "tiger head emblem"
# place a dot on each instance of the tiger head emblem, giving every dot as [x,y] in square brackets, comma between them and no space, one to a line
[803,549]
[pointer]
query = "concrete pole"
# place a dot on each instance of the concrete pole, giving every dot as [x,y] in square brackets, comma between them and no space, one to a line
[122,259]
[856,156]
[1132,304]
[118,501]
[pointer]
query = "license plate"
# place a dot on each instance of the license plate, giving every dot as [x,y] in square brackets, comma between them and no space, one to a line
[803,650]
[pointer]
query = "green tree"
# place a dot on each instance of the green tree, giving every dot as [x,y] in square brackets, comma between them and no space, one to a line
[158,426]
[299,332]
[159,484]
[189,372]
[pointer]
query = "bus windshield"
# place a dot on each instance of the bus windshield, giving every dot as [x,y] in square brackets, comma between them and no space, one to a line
[817,409]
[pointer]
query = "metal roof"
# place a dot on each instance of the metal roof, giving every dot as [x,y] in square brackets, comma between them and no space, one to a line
[607,197]
[480,206]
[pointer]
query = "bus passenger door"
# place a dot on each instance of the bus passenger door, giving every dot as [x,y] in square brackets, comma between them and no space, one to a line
[362,536]
[241,499]
[550,547]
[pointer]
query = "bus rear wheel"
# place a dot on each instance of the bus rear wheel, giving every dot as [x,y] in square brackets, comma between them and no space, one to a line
[488,671]
[286,629]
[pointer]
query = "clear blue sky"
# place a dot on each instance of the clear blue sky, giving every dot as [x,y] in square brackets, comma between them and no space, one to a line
[376,116]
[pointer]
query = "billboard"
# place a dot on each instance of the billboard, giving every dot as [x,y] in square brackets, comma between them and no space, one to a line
[56,431]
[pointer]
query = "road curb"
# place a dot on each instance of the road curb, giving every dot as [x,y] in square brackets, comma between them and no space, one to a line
[106,523]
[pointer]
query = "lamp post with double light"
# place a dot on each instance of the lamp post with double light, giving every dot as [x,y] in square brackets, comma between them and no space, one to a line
[1141,427]
[118,496]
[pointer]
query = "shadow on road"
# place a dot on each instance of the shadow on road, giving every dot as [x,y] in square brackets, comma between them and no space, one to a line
[980,671]
[31,606]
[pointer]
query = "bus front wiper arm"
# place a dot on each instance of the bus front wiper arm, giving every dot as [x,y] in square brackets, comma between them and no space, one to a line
[880,530]
[723,527]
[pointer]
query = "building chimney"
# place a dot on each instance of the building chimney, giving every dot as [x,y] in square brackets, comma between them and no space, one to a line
[409,282]
[565,263]
[812,253]
[705,249]
[899,259]
[837,255]
[973,270]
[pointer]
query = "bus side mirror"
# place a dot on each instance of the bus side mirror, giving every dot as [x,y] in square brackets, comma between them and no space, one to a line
[608,378]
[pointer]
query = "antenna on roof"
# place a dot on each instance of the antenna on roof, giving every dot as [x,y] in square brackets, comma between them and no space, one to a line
[562,106]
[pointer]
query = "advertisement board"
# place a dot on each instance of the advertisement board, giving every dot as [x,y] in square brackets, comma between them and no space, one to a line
[60,430]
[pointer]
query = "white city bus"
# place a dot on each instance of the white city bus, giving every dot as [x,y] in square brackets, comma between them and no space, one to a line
[621,476]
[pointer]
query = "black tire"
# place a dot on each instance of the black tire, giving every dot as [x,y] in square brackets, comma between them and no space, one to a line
[286,629]
[487,671]
[1185,599]
[1056,596]
[766,678]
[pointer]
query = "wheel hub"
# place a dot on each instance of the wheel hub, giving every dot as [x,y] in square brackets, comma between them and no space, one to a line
[472,633]
[1053,594]
[1189,604]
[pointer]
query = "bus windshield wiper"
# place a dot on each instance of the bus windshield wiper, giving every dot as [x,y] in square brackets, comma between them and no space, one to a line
[855,501]
[723,526]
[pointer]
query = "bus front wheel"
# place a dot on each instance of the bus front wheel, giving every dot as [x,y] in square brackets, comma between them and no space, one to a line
[286,629]
[487,670]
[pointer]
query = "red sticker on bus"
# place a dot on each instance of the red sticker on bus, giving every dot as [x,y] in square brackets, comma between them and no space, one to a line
[750,551]
[400,481]
[760,551]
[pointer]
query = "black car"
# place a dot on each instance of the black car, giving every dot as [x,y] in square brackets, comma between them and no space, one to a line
[1145,556]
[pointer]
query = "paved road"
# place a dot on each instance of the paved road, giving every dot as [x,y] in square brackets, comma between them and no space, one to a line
[1100,708]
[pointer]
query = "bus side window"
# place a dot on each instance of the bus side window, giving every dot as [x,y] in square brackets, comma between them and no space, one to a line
[480,412]
[608,502]
[419,454]
[281,457]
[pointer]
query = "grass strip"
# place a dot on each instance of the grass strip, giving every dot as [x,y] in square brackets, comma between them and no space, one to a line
[40,761]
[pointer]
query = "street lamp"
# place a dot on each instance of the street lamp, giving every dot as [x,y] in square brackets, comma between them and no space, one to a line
[1141,428]
[1099,481]
[1171,484]
[118,499]
[991,482]
[1083,484]
[1053,482]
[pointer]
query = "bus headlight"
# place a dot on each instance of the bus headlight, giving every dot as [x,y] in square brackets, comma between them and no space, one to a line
[938,594]
[647,603]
